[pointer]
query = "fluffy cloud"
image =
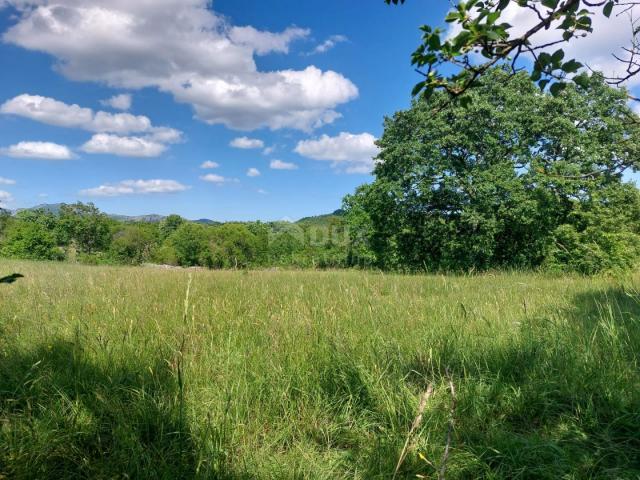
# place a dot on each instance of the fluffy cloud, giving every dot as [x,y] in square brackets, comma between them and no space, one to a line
[186,49]
[253,172]
[280,165]
[49,111]
[5,197]
[104,143]
[266,42]
[53,112]
[135,187]
[246,143]
[119,102]
[7,181]
[164,135]
[329,43]
[217,179]
[348,152]
[209,164]
[39,150]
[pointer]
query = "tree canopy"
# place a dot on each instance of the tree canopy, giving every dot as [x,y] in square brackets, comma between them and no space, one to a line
[517,178]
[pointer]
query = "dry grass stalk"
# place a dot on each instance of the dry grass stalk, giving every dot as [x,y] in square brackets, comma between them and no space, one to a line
[414,426]
[447,448]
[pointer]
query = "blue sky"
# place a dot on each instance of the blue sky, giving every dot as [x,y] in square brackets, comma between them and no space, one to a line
[122,102]
[47,71]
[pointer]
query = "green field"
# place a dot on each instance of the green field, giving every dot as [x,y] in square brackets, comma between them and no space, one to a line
[120,373]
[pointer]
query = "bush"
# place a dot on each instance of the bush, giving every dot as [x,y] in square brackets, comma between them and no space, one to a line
[30,240]
[133,245]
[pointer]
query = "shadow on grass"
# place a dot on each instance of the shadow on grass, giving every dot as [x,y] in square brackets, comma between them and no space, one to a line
[64,416]
[561,400]
[11,278]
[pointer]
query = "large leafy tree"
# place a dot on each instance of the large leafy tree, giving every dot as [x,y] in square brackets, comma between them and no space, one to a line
[481,38]
[503,180]
[85,226]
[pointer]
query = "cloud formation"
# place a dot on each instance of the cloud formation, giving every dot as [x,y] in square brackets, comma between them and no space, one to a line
[106,144]
[266,42]
[135,187]
[54,112]
[7,181]
[253,172]
[38,150]
[348,152]
[217,179]
[280,165]
[209,164]
[5,197]
[246,143]
[329,44]
[119,102]
[184,48]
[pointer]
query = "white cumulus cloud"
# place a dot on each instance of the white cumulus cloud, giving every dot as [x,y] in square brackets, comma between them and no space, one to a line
[267,42]
[216,179]
[119,102]
[186,49]
[5,197]
[103,143]
[7,181]
[246,143]
[135,187]
[329,44]
[209,164]
[54,112]
[280,165]
[348,152]
[253,172]
[38,150]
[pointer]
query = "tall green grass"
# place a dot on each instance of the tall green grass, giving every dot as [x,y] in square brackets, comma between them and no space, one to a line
[122,373]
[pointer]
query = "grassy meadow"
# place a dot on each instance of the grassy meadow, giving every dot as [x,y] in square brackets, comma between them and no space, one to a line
[114,372]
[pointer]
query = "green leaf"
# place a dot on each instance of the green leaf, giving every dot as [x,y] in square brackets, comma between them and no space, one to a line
[584,23]
[607,9]
[571,66]
[452,17]
[418,88]
[492,17]
[557,56]
[535,75]
[550,3]
[556,88]
[461,40]
[493,35]
[434,42]
[543,84]
[544,59]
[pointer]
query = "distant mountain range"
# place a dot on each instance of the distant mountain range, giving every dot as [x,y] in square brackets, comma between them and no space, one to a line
[155,218]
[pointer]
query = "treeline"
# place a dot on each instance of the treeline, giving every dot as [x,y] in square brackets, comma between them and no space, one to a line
[81,233]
